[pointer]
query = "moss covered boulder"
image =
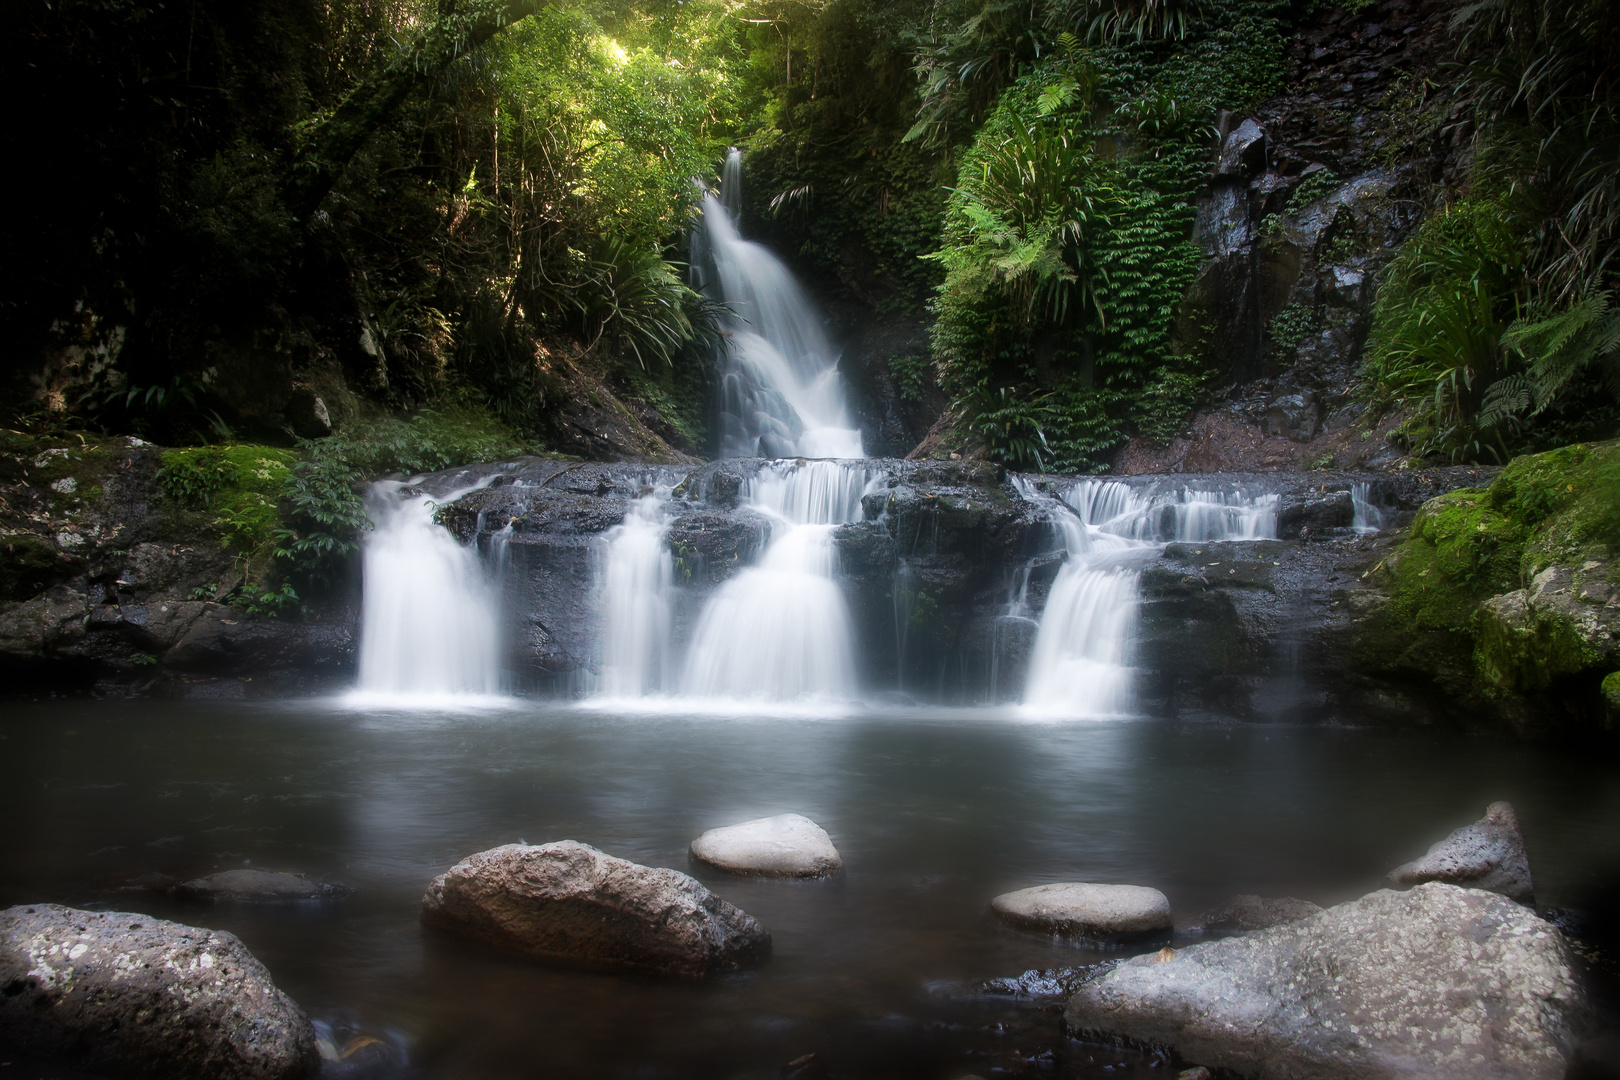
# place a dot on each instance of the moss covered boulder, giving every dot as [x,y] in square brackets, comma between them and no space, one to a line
[1503,602]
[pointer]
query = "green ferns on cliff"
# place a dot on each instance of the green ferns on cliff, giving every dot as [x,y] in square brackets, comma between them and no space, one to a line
[1068,237]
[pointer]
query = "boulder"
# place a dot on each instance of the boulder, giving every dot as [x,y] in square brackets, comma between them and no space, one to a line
[1489,855]
[111,989]
[1084,910]
[1243,152]
[1242,914]
[1439,982]
[259,886]
[570,903]
[787,845]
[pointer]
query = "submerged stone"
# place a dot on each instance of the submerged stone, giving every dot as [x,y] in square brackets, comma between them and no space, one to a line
[1245,913]
[570,903]
[1489,855]
[113,989]
[259,886]
[787,845]
[1439,982]
[1085,910]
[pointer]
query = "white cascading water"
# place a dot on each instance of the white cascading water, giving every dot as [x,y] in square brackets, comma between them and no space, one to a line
[429,628]
[1366,518]
[780,630]
[782,395]
[636,584]
[1080,665]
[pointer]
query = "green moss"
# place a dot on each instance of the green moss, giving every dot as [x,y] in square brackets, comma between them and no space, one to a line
[1465,547]
[1611,692]
[232,491]
[29,566]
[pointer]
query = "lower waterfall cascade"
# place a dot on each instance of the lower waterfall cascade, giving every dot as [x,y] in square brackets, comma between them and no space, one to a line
[1080,664]
[636,580]
[429,627]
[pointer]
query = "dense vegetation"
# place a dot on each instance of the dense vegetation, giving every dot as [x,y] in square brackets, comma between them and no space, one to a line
[250,219]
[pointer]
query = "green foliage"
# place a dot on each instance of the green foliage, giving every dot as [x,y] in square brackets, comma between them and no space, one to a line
[1289,328]
[432,440]
[1067,246]
[913,376]
[231,490]
[1438,325]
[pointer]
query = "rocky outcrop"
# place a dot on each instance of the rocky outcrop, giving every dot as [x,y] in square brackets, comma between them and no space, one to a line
[140,996]
[1500,604]
[787,845]
[1076,909]
[1440,983]
[569,903]
[1489,855]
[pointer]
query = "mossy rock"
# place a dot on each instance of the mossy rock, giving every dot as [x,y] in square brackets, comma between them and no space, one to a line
[229,491]
[1493,593]
[1611,694]
[29,565]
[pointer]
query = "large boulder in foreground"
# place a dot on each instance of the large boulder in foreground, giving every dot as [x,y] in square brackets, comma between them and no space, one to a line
[571,903]
[1489,855]
[1076,909]
[787,845]
[1439,982]
[137,995]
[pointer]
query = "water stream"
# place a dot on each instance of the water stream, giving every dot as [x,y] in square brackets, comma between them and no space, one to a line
[429,625]
[782,394]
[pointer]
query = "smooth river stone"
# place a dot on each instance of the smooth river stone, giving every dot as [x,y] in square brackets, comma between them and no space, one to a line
[570,903]
[1489,854]
[788,845]
[1084,910]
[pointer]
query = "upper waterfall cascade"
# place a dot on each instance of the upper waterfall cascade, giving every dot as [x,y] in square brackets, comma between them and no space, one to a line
[1081,660]
[782,395]
[429,628]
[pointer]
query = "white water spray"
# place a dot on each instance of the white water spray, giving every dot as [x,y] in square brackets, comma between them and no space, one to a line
[782,393]
[428,619]
[780,631]
[1367,518]
[637,581]
[1080,665]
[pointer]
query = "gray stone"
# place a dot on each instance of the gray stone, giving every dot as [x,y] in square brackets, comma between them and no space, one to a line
[787,845]
[1439,982]
[1489,855]
[261,886]
[570,903]
[111,989]
[1293,416]
[1242,914]
[1244,151]
[1086,910]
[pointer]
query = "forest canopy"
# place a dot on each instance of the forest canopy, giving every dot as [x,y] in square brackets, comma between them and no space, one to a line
[240,209]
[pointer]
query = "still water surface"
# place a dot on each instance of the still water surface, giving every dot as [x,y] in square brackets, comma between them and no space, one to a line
[934,812]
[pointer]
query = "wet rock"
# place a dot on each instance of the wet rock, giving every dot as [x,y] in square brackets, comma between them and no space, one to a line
[1489,855]
[1439,982]
[1245,913]
[259,886]
[110,989]
[787,845]
[1086,910]
[1294,416]
[808,1067]
[1046,982]
[1244,151]
[569,902]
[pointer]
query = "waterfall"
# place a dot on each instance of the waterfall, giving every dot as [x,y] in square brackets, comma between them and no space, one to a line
[1080,665]
[780,631]
[636,579]
[781,392]
[428,619]
[1368,518]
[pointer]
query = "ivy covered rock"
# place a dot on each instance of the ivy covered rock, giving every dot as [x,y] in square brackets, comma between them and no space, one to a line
[1504,601]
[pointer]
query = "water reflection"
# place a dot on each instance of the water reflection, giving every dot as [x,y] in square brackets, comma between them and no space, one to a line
[934,811]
